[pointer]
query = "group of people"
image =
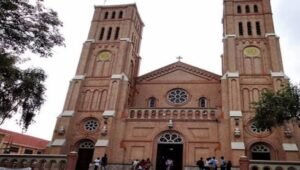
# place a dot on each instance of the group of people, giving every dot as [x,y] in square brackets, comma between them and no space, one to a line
[141,164]
[100,163]
[211,163]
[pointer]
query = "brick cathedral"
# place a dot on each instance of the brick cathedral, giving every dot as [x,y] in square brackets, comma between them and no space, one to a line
[178,111]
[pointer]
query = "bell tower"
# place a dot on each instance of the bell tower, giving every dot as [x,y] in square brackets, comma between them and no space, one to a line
[251,63]
[103,83]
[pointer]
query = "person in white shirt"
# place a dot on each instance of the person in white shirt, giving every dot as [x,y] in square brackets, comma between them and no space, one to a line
[169,163]
[97,163]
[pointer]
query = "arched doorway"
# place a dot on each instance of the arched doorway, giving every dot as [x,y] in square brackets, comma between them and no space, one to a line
[260,151]
[85,154]
[170,146]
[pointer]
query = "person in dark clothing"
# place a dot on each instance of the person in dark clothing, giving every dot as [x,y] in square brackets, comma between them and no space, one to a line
[229,165]
[104,162]
[223,163]
[200,164]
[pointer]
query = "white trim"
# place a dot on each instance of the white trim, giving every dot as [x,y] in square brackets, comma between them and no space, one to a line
[58,142]
[231,75]
[229,36]
[238,145]
[270,34]
[109,113]
[290,147]
[121,76]
[102,142]
[279,74]
[79,77]
[67,113]
[235,113]
[126,39]
[90,40]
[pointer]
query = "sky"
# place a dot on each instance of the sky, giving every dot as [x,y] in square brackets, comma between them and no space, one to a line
[191,29]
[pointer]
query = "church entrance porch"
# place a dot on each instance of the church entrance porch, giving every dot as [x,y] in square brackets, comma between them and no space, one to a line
[169,149]
[85,155]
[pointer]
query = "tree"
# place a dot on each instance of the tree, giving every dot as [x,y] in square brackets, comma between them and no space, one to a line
[24,27]
[274,108]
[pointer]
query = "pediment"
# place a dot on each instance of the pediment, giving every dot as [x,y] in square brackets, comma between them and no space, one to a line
[179,71]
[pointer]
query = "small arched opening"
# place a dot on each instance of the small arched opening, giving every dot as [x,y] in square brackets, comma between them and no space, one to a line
[260,151]
[85,154]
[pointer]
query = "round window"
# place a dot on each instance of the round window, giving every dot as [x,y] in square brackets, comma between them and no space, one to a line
[255,129]
[91,125]
[177,96]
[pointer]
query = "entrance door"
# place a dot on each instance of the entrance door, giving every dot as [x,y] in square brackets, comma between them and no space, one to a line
[85,155]
[170,146]
[169,151]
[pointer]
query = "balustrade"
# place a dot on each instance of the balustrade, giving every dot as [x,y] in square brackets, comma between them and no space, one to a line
[35,162]
[182,113]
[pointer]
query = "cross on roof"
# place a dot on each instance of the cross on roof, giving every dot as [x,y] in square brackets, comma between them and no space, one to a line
[179,58]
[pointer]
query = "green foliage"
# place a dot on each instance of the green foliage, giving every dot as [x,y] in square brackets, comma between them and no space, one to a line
[24,27]
[275,108]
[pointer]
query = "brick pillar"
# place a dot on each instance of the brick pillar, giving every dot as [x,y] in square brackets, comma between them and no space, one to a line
[72,159]
[244,163]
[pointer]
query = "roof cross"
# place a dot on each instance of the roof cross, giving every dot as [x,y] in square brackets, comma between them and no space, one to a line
[179,58]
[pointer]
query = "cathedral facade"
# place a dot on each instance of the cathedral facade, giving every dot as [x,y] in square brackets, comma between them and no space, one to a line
[178,111]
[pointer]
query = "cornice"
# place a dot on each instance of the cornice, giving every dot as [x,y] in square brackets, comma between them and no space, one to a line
[179,66]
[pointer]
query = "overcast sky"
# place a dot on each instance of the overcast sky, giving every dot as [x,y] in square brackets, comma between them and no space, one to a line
[188,28]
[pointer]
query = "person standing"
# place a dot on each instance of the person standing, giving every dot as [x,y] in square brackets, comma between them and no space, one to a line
[214,163]
[104,162]
[147,164]
[97,163]
[169,164]
[223,163]
[229,165]
[134,164]
[200,164]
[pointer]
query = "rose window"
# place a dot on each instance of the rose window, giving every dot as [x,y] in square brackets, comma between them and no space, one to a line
[177,96]
[254,129]
[91,125]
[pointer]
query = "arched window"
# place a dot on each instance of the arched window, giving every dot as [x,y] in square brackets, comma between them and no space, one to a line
[120,14]
[247,8]
[170,138]
[113,15]
[260,152]
[202,102]
[249,27]
[255,8]
[239,9]
[101,33]
[106,15]
[109,33]
[241,30]
[117,33]
[151,102]
[258,30]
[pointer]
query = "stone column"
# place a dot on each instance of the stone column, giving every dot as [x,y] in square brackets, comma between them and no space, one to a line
[72,160]
[244,163]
